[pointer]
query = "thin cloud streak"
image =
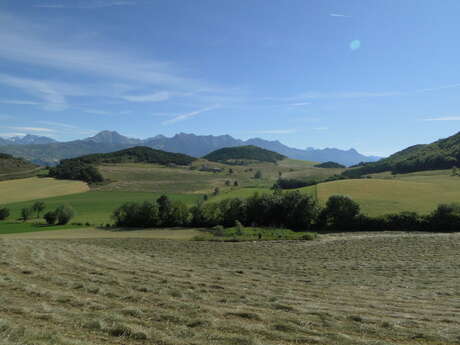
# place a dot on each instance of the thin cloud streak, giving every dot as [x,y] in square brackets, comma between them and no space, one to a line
[275,131]
[89,5]
[19,102]
[446,118]
[52,99]
[22,42]
[187,116]
[32,129]
[339,15]
[154,97]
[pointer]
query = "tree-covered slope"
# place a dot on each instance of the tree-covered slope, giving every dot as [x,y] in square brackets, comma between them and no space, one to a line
[84,168]
[228,154]
[139,154]
[441,154]
[330,165]
[11,165]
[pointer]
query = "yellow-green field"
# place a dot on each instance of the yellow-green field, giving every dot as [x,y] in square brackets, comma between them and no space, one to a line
[353,289]
[37,188]
[157,178]
[420,192]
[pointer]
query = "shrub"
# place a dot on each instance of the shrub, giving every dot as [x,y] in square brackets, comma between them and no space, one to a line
[50,217]
[4,213]
[309,236]
[64,214]
[239,228]
[258,174]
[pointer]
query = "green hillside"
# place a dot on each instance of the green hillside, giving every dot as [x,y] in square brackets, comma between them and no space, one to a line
[330,165]
[12,167]
[442,154]
[84,168]
[139,154]
[243,153]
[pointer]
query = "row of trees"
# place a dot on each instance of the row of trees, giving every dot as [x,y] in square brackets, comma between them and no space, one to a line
[292,210]
[61,215]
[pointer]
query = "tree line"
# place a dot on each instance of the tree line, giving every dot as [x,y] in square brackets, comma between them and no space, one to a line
[62,215]
[291,210]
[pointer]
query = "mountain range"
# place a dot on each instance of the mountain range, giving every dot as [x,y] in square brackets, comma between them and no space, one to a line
[46,151]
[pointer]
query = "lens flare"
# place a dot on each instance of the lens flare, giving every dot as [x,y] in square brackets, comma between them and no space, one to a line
[355,45]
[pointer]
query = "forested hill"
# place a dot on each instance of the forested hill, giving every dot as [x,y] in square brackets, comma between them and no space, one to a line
[10,164]
[84,168]
[139,154]
[228,154]
[442,154]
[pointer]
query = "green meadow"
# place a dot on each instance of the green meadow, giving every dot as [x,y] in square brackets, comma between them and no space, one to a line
[385,193]
[96,207]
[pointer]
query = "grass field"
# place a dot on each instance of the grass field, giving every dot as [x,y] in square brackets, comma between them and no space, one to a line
[96,207]
[156,178]
[420,192]
[57,232]
[35,188]
[353,289]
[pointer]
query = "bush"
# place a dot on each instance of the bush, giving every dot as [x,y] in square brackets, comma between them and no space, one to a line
[4,213]
[51,217]
[309,236]
[64,214]
[258,174]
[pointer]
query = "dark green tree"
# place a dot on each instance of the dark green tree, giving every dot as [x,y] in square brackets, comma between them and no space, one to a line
[64,214]
[38,207]
[340,212]
[50,217]
[26,214]
[4,213]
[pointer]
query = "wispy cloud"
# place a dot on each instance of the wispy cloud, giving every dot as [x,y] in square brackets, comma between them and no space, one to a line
[187,116]
[452,86]
[10,135]
[347,95]
[275,131]
[18,102]
[445,118]
[31,129]
[87,5]
[30,43]
[339,15]
[153,97]
[321,128]
[96,112]
[299,104]
[52,99]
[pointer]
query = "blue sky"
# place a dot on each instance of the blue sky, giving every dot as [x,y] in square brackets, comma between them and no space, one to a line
[374,75]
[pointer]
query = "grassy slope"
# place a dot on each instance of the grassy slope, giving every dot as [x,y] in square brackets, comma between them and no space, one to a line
[96,207]
[34,188]
[420,192]
[340,290]
[156,178]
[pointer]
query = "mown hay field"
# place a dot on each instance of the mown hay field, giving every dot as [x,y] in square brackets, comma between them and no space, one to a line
[35,188]
[353,289]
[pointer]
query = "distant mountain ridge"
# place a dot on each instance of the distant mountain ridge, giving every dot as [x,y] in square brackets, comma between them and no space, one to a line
[28,139]
[189,144]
